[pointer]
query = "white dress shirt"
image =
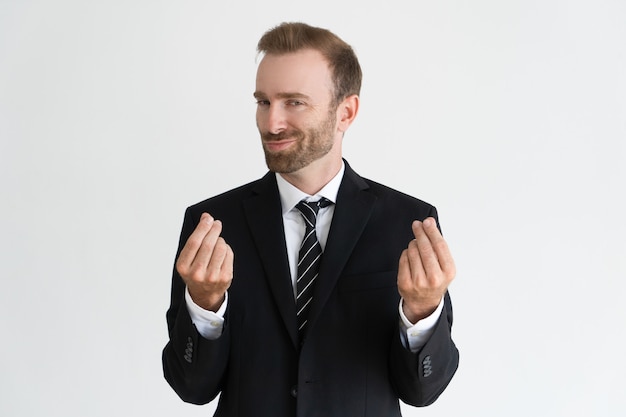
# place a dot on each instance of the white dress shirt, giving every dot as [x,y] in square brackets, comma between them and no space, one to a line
[210,324]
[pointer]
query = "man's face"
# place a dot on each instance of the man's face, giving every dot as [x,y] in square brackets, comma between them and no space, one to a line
[294,113]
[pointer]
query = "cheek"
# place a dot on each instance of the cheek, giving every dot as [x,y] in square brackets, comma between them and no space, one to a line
[260,120]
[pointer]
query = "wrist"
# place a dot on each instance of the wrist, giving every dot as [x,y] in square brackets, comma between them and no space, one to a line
[209,303]
[415,312]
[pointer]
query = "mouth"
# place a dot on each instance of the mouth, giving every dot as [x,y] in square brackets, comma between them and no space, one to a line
[278,145]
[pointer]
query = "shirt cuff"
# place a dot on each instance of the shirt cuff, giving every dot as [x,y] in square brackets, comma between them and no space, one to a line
[416,335]
[208,323]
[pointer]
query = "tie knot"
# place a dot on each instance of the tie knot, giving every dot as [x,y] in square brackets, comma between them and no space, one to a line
[309,209]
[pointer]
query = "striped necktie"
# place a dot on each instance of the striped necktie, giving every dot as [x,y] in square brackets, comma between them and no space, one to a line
[309,258]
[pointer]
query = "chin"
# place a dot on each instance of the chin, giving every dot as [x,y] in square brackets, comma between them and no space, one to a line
[282,164]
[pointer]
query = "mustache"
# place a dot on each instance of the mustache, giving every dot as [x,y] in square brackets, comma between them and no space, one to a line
[285,134]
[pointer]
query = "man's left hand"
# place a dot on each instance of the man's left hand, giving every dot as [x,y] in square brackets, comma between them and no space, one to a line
[425,271]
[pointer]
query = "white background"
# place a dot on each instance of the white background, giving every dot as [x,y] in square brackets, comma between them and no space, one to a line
[509,116]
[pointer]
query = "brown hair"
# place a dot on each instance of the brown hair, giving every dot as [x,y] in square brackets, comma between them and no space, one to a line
[292,37]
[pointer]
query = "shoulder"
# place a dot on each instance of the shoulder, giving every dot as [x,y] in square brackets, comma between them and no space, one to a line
[394,196]
[383,193]
[397,206]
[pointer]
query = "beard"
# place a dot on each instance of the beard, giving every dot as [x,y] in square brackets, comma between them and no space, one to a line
[311,144]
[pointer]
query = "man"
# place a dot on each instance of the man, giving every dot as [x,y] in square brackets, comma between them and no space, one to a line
[349,331]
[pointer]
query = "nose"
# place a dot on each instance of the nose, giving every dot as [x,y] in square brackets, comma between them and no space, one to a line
[276,121]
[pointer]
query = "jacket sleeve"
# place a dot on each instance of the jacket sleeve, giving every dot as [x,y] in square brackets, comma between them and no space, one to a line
[192,365]
[419,378]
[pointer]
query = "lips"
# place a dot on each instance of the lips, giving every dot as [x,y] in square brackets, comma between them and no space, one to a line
[278,145]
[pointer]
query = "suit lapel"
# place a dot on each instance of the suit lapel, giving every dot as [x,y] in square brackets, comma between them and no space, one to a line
[264,214]
[352,211]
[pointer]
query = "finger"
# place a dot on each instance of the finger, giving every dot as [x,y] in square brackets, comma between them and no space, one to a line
[427,255]
[416,267]
[189,251]
[205,251]
[439,245]
[229,261]
[404,272]
[214,268]
[227,266]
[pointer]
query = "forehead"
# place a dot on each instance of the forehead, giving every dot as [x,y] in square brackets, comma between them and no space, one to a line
[304,72]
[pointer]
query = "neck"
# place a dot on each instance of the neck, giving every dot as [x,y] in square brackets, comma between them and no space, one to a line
[312,178]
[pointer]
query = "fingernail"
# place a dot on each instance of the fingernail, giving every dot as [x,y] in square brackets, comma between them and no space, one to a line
[429,222]
[207,217]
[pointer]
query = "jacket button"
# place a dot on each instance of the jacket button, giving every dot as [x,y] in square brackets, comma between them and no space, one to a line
[294,391]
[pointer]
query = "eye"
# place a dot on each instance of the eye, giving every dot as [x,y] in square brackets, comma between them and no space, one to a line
[295,103]
[263,102]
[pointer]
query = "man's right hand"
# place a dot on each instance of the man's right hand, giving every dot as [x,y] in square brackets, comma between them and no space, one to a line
[206,264]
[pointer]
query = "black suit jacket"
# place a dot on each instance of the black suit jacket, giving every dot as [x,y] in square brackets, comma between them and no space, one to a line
[352,361]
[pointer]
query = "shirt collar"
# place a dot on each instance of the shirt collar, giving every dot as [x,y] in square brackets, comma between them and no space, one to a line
[290,195]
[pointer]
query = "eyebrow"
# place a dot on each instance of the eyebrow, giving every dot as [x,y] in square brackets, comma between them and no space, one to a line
[259,94]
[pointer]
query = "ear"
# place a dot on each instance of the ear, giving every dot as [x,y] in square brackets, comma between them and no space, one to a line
[346,112]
